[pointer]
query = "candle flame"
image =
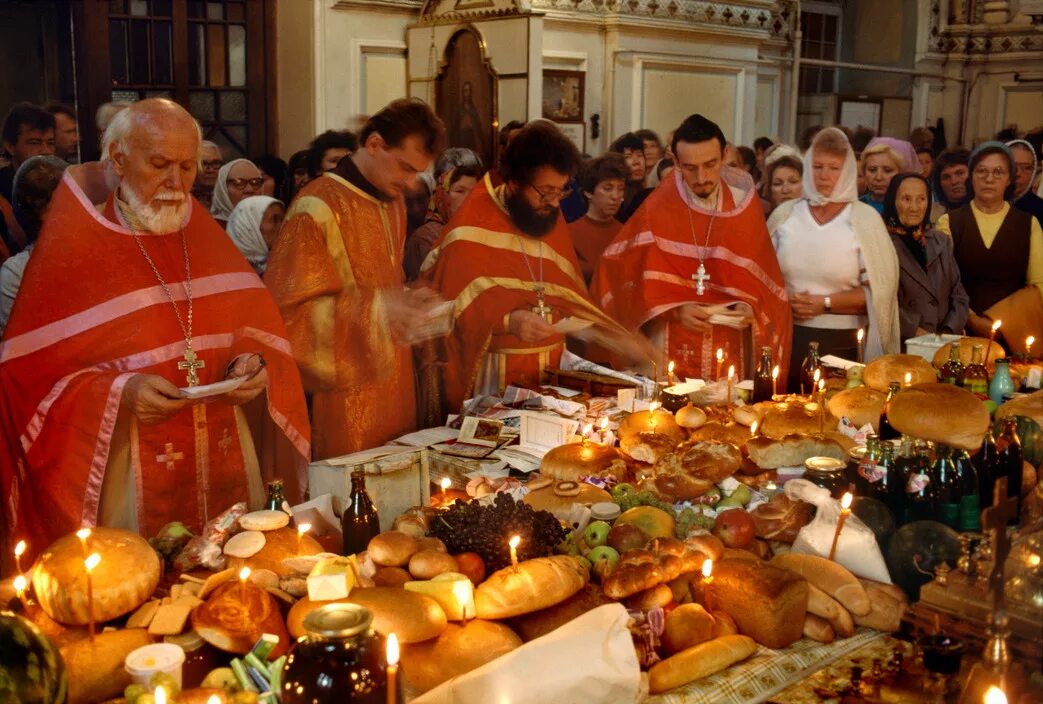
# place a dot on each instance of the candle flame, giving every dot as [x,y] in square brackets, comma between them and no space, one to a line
[1030,340]
[720,355]
[91,562]
[652,407]
[670,367]
[821,384]
[908,378]
[83,533]
[604,422]
[392,649]
[446,483]
[707,568]
[463,590]
[818,375]
[996,326]
[20,583]
[214,699]
[160,695]
[244,574]
[588,429]
[514,541]
[303,528]
[995,695]
[845,501]
[731,371]
[19,549]
[775,372]
[1034,560]
[753,427]
[861,334]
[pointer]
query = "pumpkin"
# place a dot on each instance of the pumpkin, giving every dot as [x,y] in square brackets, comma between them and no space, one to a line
[877,516]
[916,549]
[33,671]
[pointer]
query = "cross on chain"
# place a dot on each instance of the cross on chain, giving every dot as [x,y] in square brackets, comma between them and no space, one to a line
[541,308]
[169,457]
[191,364]
[700,277]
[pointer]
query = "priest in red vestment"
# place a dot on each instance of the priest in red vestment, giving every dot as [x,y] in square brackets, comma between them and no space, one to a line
[695,268]
[507,262]
[122,305]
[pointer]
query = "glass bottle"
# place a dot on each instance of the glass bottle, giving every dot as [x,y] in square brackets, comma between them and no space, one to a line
[884,472]
[867,467]
[885,430]
[918,504]
[952,370]
[275,498]
[762,383]
[807,369]
[969,518]
[1009,459]
[359,522]
[1001,383]
[975,377]
[985,464]
[947,488]
[904,462]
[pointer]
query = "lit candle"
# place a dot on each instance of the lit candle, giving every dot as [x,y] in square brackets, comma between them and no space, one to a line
[463,592]
[20,585]
[301,530]
[160,695]
[670,373]
[775,381]
[244,575]
[821,406]
[83,534]
[731,379]
[1029,341]
[513,543]
[992,336]
[446,483]
[607,436]
[754,427]
[769,490]
[90,564]
[845,509]
[860,338]
[214,699]
[707,571]
[587,430]
[908,379]
[651,413]
[995,695]
[720,360]
[392,657]
[19,550]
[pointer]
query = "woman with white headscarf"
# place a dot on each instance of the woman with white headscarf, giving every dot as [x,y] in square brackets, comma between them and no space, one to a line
[253,226]
[238,179]
[836,256]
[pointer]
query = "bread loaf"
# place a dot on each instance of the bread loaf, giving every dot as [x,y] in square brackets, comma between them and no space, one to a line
[886,607]
[767,603]
[627,580]
[279,544]
[392,548]
[649,446]
[641,422]
[860,405]
[456,651]
[941,413]
[95,670]
[883,370]
[715,431]
[580,459]
[411,616]
[534,585]
[700,661]
[792,450]
[781,518]
[723,625]
[818,629]
[652,598]
[428,564]
[540,623]
[236,615]
[793,417]
[687,625]
[994,351]
[828,576]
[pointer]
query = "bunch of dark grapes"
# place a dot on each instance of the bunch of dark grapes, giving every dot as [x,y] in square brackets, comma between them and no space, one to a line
[472,527]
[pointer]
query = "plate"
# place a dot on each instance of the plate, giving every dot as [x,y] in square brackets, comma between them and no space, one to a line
[215,389]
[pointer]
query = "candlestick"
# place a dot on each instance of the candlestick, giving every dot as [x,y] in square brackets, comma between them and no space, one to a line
[845,509]
[821,406]
[392,672]
[731,379]
[1029,341]
[720,360]
[651,412]
[83,534]
[20,585]
[513,543]
[160,695]
[301,530]
[995,695]
[19,550]
[670,373]
[89,564]
[992,337]
[861,336]
[774,381]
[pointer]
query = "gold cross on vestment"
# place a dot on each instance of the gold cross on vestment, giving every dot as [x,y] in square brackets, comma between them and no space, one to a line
[191,364]
[169,457]
[541,308]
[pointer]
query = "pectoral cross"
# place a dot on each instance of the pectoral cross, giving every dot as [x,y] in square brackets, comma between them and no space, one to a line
[700,277]
[541,308]
[191,364]
[169,457]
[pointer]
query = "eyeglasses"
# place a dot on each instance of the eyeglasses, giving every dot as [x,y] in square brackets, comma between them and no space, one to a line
[244,182]
[213,165]
[985,173]
[552,194]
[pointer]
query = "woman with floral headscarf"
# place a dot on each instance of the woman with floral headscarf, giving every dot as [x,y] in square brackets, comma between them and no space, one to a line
[840,268]
[930,295]
[999,250]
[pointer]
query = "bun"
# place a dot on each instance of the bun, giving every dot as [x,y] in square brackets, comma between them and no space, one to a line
[413,617]
[706,543]
[581,459]
[888,606]
[699,661]
[818,629]
[655,597]
[781,518]
[391,577]
[766,603]
[561,506]
[690,417]
[124,579]
[641,422]
[883,370]
[746,415]
[458,650]
[428,564]
[536,584]
[828,576]
[941,413]
[626,580]
[648,446]
[792,450]
[236,615]
[279,544]
[793,417]
[95,670]
[859,405]
[687,625]
[540,623]
[994,351]
[732,433]
[392,548]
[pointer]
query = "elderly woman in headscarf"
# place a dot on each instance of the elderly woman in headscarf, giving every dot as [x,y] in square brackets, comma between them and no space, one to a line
[999,250]
[1026,165]
[882,159]
[236,180]
[253,227]
[931,298]
[840,267]
[34,184]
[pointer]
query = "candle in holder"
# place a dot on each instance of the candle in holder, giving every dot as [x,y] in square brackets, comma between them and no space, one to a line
[845,510]
[83,534]
[392,672]
[995,695]
[90,564]
[860,338]
[19,550]
[652,407]
[1029,341]
[775,381]
[670,373]
[20,585]
[302,528]
[731,380]
[720,361]
[445,484]
[513,543]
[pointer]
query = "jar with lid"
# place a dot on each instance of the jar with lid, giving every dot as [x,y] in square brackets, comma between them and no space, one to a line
[827,473]
[339,659]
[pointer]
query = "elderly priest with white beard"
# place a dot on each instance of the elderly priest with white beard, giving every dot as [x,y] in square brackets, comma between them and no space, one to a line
[123,305]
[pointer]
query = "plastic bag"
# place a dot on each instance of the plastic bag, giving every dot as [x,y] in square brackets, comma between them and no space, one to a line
[857,549]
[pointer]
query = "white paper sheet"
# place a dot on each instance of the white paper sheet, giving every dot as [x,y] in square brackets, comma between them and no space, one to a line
[215,389]
[364,455]
[428,437]
[570,326]
[838,362]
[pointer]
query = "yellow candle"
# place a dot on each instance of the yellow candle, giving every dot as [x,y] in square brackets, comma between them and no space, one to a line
[707,571]
[860,338]
[821,405]
[652,407]
[995,695]
[160,695]
[513,543]
[463,592]
[720,360]
[670,373]
[301,530]
[731,378]
[1029,341]
[19,550]
[754,426]
[908,379]
[392,672]
[775,381]
[20,585]
[244,575]
[845,509]
[90,564]
[83,534]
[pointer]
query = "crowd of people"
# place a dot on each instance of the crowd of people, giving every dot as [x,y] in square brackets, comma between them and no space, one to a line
[374,281]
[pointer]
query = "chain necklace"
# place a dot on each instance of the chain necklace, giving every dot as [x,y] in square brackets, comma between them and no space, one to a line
[700,277]
[541,308]
[191,362]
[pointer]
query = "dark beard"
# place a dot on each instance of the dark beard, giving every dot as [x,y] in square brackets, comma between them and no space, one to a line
[527,219]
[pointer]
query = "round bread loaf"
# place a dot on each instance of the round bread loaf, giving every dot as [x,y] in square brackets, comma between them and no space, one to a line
[883,370]
[581,459]
[692,470]
[411,616]
[458,650]
[264,520]
[278,545]
[124,579]
[236,615]
[794,416]
[392,548]
[690,417]
[1030,406]
[859,405]
[733,433]
[561,506]
[428,564]
[641,422]
[940,413]
[992,350]
[648,446]
[535,584]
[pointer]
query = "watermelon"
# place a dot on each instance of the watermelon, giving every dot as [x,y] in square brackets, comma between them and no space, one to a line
[31,668]
[877,517]
[916,549]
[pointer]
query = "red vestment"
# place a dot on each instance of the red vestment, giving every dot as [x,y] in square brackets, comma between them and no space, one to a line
[648,270]
[90,314]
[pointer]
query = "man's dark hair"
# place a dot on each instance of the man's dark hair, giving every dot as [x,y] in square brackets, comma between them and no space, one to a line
[26,115]
[697,128]
[661,166]
[330,139]
[763,144]
[630,141]
[60,108]
[925,150]
[749,160]
[33,187]
[646,135]
[603,168]
[860,139]
[272,166]
[808,136]
[538,144]
[404,118]
[505,132]
[1007,134]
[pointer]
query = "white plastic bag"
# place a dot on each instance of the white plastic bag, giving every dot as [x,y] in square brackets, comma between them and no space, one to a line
[857,549]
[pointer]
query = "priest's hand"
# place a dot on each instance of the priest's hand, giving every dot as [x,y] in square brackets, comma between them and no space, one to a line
[252,366]
[693,317]
[153,399]
[529,326]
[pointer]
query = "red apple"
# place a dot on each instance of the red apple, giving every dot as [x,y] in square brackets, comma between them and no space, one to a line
[735,528]
[471,565]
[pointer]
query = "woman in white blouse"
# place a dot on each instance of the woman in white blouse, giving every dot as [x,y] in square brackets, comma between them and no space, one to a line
[840,267]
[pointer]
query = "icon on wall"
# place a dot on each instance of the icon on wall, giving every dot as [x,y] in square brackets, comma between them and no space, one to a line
[563,96]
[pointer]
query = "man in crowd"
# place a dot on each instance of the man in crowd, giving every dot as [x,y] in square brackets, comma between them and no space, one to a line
[633,150]
[653,148]
[603,181]
[28,131]
[949,181]
[336,272]
[326,151]
[66,133]
[210,163]
[94,429]
[761,145]
[695,267]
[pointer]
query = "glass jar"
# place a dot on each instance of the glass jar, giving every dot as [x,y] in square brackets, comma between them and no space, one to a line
[339,659]
[1001,384]
[827,473]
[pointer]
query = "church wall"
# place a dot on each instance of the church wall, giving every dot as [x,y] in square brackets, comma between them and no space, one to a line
[581,47]
[295,76]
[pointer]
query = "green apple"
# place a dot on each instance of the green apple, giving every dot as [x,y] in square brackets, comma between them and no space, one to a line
[596,534]
[604,560]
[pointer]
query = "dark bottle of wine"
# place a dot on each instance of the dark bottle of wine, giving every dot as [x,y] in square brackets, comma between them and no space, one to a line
[952,370]
[762,383]
[359,522]
[919,490]
[1009,458]
[807,369]
[985,464]
[947,487]
[886,431]
[969,517]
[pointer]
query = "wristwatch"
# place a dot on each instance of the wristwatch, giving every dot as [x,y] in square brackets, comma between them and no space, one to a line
[827,304]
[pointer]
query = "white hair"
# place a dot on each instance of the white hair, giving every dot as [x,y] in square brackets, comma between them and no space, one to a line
[118,132]
[207,144]
[106,111]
